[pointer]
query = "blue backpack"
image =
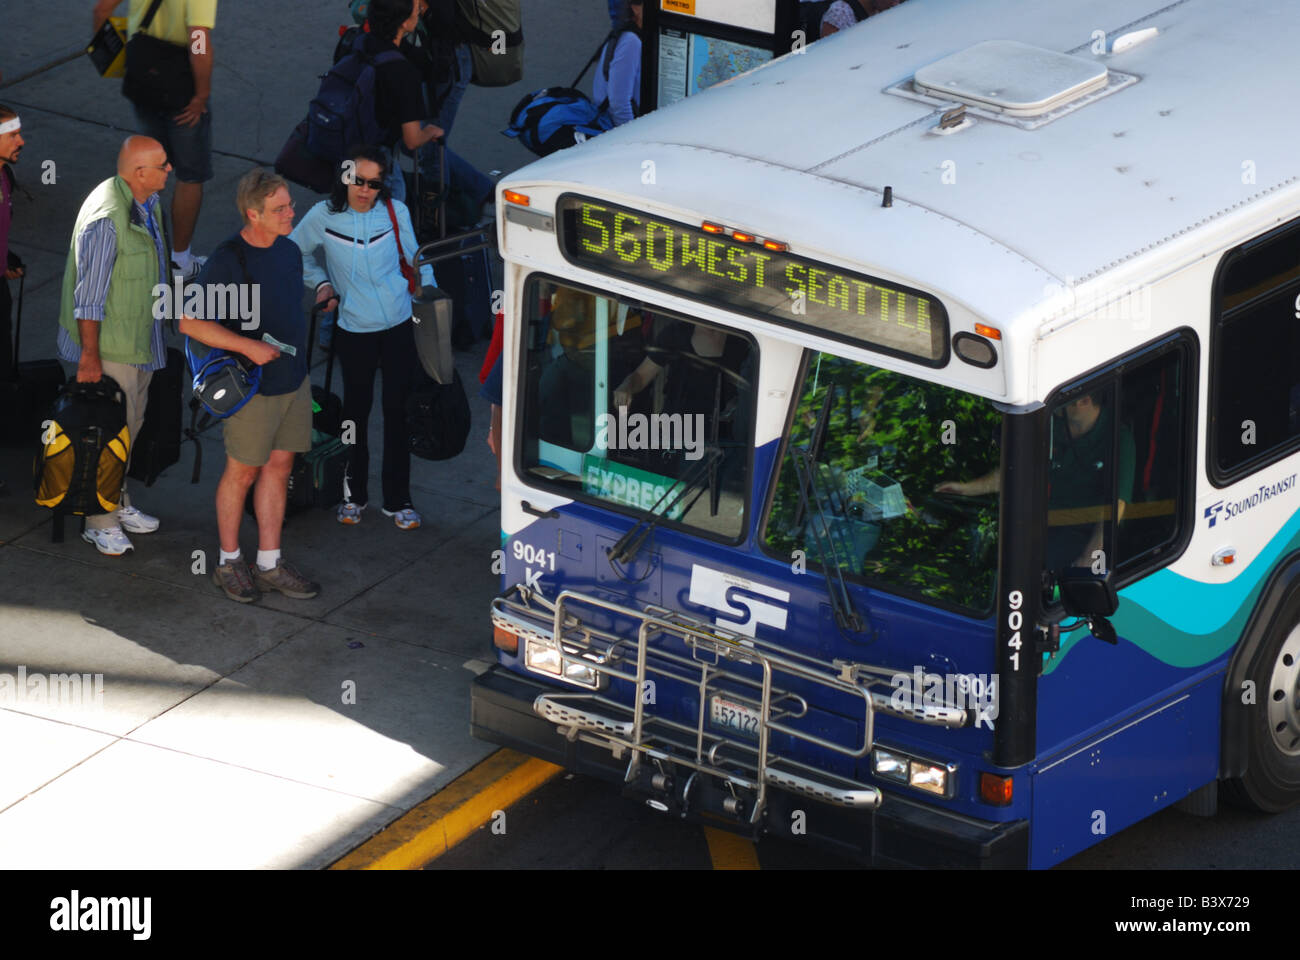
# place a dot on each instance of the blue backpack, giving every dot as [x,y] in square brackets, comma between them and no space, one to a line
[555,118]
[343,111]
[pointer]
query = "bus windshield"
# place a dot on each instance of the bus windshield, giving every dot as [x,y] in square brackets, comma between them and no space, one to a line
[878,444]
[636,407]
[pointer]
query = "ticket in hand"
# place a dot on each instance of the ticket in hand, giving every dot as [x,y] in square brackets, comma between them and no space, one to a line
[288,348]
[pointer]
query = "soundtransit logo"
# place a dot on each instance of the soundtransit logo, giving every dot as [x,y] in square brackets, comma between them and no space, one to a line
[1226,510]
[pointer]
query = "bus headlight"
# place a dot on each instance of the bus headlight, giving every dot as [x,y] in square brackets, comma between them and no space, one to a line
[889,765]
[939,779]
[930,777]
[545,658]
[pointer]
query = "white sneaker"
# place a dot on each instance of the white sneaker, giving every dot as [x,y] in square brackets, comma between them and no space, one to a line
[196,265]
[111,542]
[134,521]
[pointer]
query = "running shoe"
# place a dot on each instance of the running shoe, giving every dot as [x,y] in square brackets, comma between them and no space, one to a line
[134,521]
[405,518]
[111,542]
[350,513]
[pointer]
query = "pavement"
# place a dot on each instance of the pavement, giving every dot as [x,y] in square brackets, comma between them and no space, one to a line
[201,733]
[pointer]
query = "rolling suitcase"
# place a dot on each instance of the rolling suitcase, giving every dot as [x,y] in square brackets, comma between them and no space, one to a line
[30,389]
[158,445]
[317,476]
[467,279]
[316,479]
[326,407]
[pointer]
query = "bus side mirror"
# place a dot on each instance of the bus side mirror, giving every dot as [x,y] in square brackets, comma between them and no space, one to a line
[1087,594]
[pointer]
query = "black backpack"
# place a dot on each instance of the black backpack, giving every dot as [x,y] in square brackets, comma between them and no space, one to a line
[344,111]
[84,449]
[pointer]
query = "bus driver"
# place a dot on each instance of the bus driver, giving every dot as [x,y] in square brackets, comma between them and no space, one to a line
[1079,481]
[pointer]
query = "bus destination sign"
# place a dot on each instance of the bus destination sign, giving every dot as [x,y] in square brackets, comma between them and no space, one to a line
[751,279]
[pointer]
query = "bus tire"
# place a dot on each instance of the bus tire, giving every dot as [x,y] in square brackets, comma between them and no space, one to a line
[1271,782]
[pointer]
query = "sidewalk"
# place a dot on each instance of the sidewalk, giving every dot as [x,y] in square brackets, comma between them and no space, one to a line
[277,734]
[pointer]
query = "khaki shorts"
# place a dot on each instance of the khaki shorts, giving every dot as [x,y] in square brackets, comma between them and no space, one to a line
[281,422]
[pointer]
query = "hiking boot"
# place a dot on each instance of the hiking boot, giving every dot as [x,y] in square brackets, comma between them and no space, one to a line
[235,579]
[287,580]
[111,542]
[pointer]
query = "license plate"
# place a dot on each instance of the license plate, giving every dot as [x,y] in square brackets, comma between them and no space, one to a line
[736,717]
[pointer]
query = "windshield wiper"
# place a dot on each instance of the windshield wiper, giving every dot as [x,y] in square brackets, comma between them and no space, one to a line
[823,536]
[702,477]
[814,449]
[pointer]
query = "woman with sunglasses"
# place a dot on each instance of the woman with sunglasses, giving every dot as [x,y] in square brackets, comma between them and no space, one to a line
[350,254]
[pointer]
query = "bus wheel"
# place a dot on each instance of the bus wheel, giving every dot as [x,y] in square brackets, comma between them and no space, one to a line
[1272,780]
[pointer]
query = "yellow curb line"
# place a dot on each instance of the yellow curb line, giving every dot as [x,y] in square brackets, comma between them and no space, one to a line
[729,851]
[429,830]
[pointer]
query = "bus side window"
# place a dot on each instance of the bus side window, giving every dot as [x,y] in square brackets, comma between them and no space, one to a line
[1255,347]
[1117,491]
[1152,406]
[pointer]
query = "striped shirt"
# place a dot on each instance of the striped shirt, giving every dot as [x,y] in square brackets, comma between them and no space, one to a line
[96,252]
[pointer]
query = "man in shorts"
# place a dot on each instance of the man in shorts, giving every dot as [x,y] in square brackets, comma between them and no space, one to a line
[261,437]
[186,133]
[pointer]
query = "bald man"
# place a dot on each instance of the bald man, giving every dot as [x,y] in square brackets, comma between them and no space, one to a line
[118,255]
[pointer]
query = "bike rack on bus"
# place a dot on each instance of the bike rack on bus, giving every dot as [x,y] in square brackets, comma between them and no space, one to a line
[596,718]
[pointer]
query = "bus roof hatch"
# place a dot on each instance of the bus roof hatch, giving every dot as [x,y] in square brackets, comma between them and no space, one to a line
[1011,78]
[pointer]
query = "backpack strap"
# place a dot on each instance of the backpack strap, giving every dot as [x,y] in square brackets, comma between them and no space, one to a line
[200,423]
[148,17]
[611,45]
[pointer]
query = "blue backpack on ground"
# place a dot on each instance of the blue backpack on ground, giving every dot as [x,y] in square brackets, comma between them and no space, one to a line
[343,111]
[555,118]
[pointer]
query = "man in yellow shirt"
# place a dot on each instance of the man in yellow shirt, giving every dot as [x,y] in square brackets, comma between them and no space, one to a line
[184,132]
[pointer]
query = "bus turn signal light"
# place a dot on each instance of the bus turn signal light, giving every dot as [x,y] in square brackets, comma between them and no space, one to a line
[993,333]
[513,197]
[995,790]
[505,641]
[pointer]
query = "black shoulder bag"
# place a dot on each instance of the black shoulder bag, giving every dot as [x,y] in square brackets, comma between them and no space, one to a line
[158,74]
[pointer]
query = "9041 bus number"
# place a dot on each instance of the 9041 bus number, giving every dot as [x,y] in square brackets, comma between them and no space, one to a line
[530,554]
[1015,621]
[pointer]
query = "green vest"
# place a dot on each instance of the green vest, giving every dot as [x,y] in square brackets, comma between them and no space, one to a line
[126,334]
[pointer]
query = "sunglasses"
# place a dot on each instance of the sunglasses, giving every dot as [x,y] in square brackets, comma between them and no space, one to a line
[372,184]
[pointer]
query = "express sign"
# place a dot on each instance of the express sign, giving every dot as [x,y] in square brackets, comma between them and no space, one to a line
[752,279]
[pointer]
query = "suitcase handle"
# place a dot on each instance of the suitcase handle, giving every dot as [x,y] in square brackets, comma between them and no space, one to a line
[317,310]
[18,325]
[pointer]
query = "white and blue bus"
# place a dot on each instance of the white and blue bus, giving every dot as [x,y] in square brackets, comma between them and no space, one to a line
[901,438]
